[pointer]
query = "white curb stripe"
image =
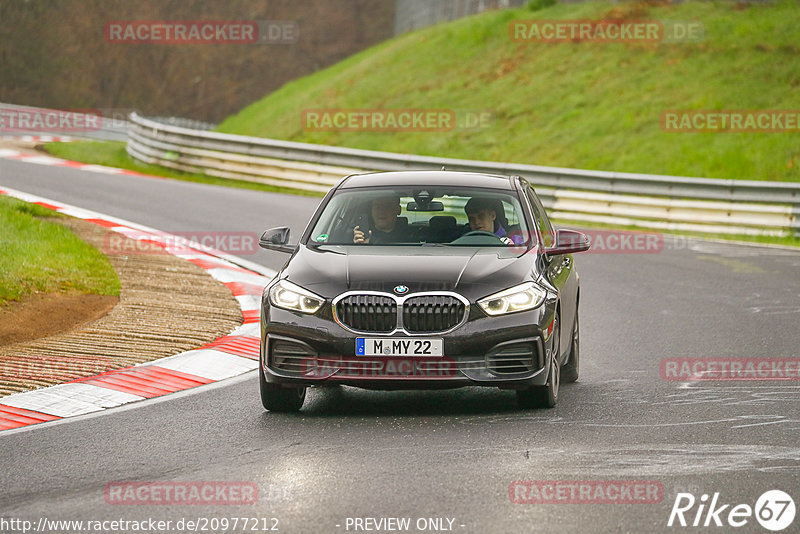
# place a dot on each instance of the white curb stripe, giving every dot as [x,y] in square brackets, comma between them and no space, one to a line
[66,400]
[226,275]
[101,169]
[42,138]
[248,330]
[249,302]
[17,155]
[208,363]
[184,254]
[80,213]
[44,160]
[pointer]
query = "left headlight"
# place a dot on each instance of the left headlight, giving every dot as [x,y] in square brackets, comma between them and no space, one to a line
[523,297]
[292,297]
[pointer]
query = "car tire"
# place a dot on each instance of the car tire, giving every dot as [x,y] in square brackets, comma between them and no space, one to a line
[545,396]
[570,370]
[279,399]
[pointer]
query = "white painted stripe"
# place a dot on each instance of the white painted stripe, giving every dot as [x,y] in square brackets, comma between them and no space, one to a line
[185,254]
[80,213]
[251,265]
[28,197]
[218,263]
[249,302]
[66,400]
[43,160]
[208,363]
[8,153]
[227,275]
[135,233]
[247,264]
[249,330]
[102,169]
[99,395]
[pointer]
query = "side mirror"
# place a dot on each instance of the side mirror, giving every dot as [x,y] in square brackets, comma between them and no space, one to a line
[276,239]
[569,242]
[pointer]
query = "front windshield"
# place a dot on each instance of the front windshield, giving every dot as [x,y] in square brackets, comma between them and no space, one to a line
[420,216]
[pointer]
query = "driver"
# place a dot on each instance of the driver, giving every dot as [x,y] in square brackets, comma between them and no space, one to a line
[482,215]
[387,227]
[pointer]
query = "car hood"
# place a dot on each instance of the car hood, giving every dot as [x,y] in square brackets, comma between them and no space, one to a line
[471,271]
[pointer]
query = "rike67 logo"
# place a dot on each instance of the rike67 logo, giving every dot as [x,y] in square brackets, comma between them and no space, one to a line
[774,510]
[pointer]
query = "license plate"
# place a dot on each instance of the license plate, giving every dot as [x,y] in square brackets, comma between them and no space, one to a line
[399,346]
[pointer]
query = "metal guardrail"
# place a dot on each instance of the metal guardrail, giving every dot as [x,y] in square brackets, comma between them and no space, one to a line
[111,128]
[650,201]
[192,124]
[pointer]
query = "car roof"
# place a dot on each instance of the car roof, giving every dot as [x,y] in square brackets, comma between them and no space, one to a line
[427,179]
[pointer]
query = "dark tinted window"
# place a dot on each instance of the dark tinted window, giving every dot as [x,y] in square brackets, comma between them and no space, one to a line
[540,215]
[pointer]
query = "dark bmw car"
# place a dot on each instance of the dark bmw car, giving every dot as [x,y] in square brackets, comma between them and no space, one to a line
[423,279]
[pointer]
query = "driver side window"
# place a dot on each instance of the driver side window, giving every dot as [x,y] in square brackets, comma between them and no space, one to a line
[542,222]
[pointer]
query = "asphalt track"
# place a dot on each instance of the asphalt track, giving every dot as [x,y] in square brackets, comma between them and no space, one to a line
[451,454]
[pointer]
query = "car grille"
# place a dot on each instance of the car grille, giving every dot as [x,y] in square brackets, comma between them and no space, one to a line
[432,313]
[423,314]
[368,313]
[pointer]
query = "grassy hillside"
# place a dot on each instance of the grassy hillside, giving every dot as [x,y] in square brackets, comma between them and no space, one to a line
[584,104]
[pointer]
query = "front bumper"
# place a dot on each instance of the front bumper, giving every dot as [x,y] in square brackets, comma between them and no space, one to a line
[507,352]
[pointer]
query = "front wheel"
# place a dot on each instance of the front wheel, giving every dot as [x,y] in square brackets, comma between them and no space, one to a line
[569,373]
[279,399]
[545,396]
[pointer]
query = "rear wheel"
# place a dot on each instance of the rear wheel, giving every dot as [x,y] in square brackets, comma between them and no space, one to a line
[279,399]
[569,373]
[545,396]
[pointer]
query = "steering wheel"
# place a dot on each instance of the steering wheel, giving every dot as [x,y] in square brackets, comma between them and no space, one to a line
[480,232]
[474,238]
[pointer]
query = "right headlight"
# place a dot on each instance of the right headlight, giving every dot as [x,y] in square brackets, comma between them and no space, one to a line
[523,297]
[292,297]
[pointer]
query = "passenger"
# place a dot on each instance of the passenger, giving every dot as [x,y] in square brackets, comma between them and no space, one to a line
[386,225]
[487,215]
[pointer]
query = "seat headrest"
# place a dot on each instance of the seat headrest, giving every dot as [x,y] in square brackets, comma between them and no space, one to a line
[442,221]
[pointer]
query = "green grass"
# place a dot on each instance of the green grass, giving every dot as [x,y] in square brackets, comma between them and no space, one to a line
[42,256]
[584,105]
[112,154]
